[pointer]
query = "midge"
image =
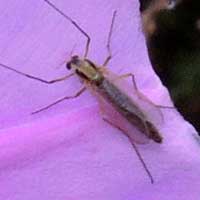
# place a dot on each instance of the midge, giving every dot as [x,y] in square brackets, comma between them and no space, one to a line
[109,89]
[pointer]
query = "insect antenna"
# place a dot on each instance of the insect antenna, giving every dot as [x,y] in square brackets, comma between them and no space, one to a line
[74,23]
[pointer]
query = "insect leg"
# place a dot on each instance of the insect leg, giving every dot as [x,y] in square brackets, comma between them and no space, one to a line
[60,100]
[34,77]
[109,39]
[133,79]
[74,23]
[136,150]
[139,93]
[102,111]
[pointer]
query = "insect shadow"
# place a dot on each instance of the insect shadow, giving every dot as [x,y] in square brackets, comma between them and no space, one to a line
[119,104]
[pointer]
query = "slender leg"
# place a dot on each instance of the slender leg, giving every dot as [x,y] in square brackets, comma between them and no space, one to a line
[139,93]
[60,100]
[133,79]
[34,77]
[109,39]
[74,23]
[136,150]
[102,111]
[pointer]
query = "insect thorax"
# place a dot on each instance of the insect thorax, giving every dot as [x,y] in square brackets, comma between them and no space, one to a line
[86,70]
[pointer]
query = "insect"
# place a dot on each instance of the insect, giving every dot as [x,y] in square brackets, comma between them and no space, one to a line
[107,86]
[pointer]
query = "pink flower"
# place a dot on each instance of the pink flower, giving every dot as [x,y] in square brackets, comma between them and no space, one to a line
[69,152]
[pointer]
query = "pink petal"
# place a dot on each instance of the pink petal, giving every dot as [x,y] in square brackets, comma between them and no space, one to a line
[68,152]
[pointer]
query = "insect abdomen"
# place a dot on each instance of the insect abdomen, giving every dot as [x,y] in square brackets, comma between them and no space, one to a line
[124,105]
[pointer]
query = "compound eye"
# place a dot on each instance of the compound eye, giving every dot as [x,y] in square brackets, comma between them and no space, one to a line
[68,65]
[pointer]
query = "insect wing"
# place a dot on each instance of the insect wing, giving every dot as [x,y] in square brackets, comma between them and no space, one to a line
[115,119]
[151,111]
